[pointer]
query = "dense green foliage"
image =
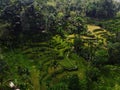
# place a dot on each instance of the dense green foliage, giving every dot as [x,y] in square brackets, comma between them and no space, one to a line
[60,44]
[103,9]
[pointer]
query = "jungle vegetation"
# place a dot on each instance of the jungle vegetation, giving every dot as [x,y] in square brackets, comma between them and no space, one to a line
[60,44]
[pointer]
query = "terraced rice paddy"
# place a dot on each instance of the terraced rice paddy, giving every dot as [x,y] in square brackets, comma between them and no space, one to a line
[54,58]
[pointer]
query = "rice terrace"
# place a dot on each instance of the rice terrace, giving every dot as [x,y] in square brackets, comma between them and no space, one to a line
[59,44]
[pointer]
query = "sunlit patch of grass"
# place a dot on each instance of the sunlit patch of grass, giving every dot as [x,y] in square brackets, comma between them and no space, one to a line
[93,27]
[95,33]
[51,3]
[100,33]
